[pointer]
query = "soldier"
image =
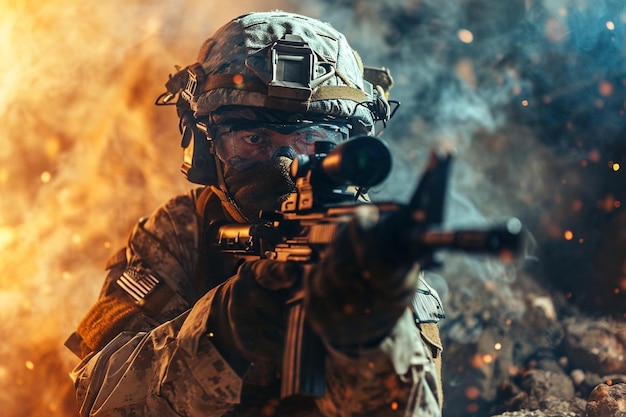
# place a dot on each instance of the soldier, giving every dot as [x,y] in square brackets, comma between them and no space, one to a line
[179,331]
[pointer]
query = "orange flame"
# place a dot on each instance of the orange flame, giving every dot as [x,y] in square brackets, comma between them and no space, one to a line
[84,154]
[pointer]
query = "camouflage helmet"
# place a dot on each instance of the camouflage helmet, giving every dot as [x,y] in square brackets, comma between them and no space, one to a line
[284,61]
[272,67]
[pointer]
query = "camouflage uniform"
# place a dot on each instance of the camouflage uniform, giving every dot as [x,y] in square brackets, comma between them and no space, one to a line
[146,349]
[148,344]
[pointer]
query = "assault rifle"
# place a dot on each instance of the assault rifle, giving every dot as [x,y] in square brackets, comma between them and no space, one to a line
[311,217]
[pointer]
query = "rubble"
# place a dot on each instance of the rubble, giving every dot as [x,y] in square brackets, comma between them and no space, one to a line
[550,361]
[607,401]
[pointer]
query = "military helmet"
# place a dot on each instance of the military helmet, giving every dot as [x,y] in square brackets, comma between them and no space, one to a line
[283,62]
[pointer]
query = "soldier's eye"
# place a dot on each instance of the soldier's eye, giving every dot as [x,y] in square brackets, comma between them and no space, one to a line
[252,139]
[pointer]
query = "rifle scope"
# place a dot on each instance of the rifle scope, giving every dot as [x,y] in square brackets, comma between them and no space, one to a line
[364,161]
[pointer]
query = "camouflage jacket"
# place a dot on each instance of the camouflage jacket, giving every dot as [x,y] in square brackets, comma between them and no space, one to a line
[146,352]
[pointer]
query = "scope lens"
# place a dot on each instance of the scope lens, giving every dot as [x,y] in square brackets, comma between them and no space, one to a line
[364,161]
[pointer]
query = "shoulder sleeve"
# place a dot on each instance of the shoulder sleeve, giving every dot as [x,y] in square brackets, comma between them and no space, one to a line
[165,244]
[142,363]
[149,281]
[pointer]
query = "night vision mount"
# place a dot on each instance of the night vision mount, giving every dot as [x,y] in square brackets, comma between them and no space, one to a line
[289,68]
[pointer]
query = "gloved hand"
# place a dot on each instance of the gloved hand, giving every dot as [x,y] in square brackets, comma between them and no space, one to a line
[363,282]
[249,311]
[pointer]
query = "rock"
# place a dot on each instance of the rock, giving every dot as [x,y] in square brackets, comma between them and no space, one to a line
[596,346]
[543,391]
[546,386]
[607,401]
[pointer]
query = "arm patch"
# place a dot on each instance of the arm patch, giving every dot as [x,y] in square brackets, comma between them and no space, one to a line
[138,284]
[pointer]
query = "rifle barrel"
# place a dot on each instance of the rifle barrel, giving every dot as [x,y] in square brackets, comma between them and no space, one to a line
[507,237]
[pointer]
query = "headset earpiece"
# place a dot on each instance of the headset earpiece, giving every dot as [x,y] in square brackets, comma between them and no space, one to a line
[199,165]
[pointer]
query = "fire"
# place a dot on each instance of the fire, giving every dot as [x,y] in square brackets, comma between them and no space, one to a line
[84,154]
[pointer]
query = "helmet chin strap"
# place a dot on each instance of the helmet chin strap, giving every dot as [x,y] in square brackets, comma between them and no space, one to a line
[229,205]
[221,191]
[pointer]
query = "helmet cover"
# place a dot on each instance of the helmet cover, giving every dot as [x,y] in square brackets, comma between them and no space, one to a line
[237,66]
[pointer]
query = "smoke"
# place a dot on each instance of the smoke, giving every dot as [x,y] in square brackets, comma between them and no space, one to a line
[530,93]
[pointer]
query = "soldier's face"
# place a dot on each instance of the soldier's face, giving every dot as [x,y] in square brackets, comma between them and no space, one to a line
[247,144]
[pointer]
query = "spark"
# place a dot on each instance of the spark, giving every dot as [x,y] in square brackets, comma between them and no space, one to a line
[497,346]
[465,36]
[525,103]
[472,393]
[605,89]
[568,235]
[29,365]
[608,204]
[45,177]
[615,167]
[238,79]
[594,155]
[610,25]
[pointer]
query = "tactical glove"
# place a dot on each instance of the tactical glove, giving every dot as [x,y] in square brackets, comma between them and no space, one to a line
[363,282]
[249,312]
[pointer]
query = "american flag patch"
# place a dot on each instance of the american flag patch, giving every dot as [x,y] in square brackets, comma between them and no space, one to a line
[137,284]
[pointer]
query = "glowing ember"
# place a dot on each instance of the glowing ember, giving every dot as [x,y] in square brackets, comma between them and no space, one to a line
[605,89]
[472,393]
[46,177]
[238,79]
[465,36]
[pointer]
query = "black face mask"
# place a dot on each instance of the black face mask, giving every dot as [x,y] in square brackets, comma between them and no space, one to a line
[264,187]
